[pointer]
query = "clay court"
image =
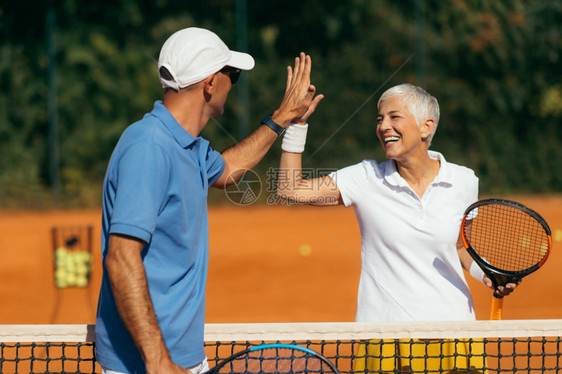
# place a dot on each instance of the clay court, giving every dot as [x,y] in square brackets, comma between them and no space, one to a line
[267,264]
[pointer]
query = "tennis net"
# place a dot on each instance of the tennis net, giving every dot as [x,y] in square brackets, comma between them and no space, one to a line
[510,346]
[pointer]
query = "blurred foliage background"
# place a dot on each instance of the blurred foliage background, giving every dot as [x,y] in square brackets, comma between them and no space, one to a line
[74,74]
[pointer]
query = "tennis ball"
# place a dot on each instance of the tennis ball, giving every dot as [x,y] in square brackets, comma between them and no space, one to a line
[60,255]
[61,283]
[60,251]
[81,280]
[558,235]
[70,264]
[60,273]
[60,278]
[81,269]
[305,250]
[70,279]
[83,258]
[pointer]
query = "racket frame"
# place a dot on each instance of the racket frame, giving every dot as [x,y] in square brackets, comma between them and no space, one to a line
[269,346]
[490,270]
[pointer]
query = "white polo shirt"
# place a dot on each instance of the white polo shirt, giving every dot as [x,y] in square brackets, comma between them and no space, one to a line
[410,269]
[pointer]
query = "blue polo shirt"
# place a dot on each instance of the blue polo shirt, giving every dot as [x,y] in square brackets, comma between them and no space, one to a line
[155,189]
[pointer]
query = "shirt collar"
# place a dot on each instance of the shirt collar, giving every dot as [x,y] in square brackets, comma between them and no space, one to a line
[392,176]
[183,138]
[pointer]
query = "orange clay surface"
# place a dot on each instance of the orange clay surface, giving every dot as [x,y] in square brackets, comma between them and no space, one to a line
[267,264]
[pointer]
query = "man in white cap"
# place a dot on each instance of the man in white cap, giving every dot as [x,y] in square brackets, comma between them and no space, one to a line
[154,226]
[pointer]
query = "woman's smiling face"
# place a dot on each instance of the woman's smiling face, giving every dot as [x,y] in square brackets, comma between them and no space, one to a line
[397,129]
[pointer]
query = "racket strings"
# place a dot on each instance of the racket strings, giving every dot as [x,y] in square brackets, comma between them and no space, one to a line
[506,237]
[276,360]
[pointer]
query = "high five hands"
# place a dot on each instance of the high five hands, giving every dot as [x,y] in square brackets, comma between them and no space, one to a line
[299,101]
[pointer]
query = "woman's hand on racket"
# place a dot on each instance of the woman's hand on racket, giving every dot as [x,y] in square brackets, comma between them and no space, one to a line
[467,263]
[501,290]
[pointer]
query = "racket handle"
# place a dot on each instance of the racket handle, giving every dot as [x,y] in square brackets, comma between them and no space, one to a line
[497,306]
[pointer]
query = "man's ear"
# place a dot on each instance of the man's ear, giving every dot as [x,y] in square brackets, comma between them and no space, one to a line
[209,84]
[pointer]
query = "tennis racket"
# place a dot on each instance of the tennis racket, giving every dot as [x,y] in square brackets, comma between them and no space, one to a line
[275,358]
[507,240]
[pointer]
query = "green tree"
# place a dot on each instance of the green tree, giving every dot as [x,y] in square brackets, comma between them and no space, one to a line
[494,67]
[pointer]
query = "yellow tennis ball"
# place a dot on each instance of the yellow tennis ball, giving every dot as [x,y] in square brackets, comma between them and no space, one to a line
[81,269]
[60,273]
[558,235]
[61,283]
[81,280]
[60,256]
[305,250]
[70,264]
[60,278]
[61,251]
[71,279]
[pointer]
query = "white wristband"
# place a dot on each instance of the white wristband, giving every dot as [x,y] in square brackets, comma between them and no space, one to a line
[476,272]
[294,138]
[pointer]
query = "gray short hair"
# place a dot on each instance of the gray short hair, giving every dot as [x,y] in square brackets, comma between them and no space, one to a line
[420,103]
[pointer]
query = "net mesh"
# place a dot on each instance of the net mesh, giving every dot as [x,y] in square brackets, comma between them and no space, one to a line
[63,357]
[526,346]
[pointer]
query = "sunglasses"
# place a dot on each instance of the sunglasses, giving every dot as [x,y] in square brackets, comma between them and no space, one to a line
[233,73]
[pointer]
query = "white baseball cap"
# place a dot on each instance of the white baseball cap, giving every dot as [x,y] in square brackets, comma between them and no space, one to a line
[192,54]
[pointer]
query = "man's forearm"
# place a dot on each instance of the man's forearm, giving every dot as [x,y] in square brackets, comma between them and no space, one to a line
[297,101]
[130,289]
[246,154]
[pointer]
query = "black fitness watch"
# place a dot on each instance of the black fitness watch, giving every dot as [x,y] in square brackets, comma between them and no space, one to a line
[272,125]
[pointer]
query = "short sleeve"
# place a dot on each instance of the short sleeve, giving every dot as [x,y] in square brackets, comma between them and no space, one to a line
[473,192]
[214,164]
[141,179]
[351,182]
